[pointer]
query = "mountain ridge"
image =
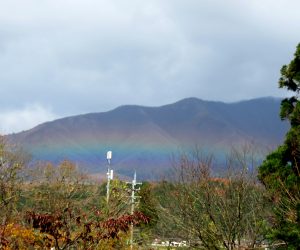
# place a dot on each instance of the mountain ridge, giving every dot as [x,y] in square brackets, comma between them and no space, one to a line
[146,136]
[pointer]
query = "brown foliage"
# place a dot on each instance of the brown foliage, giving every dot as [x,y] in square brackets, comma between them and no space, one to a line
[86,233]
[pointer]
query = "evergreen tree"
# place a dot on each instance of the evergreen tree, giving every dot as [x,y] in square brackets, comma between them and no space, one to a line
[280,172]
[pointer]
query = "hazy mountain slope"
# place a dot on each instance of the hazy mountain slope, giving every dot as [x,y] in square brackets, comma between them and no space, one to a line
[143,138]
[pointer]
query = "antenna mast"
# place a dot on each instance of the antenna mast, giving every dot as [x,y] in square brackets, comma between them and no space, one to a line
[133,198]
[109,174]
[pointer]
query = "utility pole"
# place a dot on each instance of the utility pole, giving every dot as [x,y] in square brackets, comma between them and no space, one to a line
[133,198]
[109,174]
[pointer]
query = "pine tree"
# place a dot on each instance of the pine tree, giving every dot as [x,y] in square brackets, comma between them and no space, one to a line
[280,172]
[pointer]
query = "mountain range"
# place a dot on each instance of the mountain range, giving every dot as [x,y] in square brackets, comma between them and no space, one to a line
[144,138]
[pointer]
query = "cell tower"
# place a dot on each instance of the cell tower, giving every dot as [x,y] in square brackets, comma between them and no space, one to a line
[110,174]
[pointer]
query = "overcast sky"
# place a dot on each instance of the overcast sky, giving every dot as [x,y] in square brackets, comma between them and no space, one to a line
[68,57]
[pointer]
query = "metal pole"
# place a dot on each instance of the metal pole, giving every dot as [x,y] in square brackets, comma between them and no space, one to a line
[132,209]
[108,182]
[133,197]
[109,174]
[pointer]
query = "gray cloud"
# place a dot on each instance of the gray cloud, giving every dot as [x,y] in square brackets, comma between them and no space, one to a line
[86,56]
[26,118]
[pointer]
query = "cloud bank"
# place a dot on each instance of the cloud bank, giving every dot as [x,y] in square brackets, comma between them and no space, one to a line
[88,56]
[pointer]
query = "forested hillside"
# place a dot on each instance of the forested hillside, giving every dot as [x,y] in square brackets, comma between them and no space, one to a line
[144,138]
